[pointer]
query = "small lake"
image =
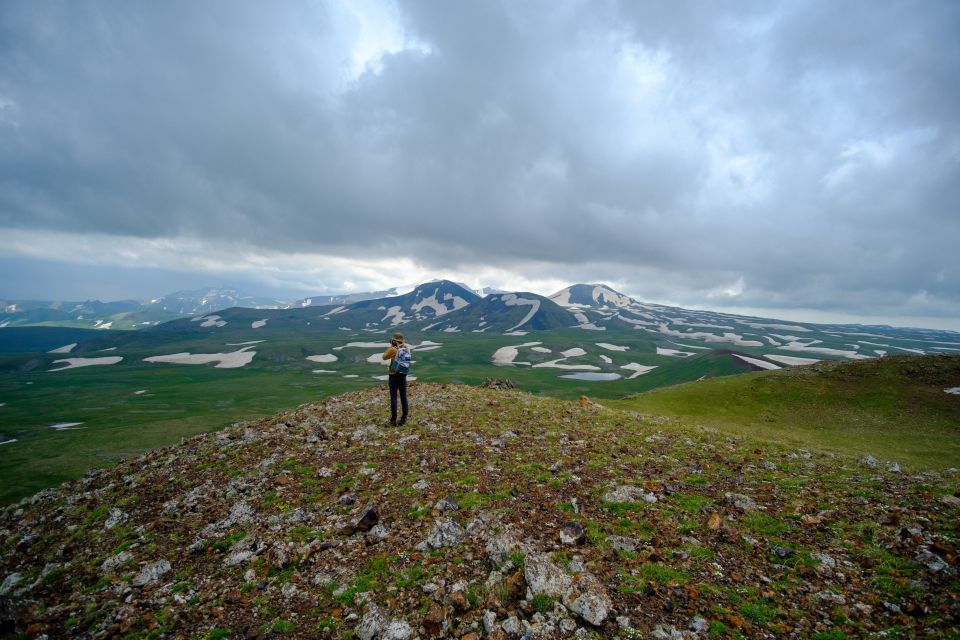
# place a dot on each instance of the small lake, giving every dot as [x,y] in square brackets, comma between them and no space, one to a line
[594,377]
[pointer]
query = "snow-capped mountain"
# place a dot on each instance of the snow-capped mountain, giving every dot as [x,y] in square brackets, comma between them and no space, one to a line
[211,299]
[504,313]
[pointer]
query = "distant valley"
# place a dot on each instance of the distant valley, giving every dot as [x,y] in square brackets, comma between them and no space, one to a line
[74,397]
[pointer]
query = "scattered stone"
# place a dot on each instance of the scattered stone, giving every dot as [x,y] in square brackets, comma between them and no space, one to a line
[829,597]
[112,563]
[372,624]
[950,501]
[626,493]
[572,533]
[826,563]
[151,573]
[782,552]
[324,472]
[446,533]
[592,604]
[9,583]
[699,625]
[347,499]
[932,561]
[667,632]
[623,543]
[397,630]
[741,502]
[446,505]
[869,461]
[893,467]
[116,516]
[421,485]
[544,577]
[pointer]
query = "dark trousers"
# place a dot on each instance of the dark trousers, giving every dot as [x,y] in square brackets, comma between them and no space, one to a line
[398,385]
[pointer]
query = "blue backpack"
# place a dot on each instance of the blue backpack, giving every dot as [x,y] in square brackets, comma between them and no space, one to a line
[402,361]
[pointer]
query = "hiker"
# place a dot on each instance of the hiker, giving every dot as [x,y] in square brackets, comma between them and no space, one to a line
[399,356]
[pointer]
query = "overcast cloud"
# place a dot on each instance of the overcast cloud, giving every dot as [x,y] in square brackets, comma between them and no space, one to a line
[782,157]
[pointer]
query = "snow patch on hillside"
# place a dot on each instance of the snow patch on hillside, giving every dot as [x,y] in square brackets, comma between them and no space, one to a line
[230,360]
[674,353]
[325,357]
[781,327]
[364,345]
[610,297]
[67,348]
[807,347]
[73,363]
[512,300]
[573,353]
[638,369]
[556,364]
[611,347]
[732,338]
[506,355]
[256,324]
[791,360]
[953,391]
[763,364]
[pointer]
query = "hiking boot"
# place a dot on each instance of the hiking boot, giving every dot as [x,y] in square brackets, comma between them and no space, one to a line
[402,422]
[393,423]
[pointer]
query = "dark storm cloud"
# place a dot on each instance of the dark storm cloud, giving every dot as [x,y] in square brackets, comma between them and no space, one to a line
[767,154]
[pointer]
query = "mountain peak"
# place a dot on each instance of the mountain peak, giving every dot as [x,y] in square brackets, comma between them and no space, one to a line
[593,295]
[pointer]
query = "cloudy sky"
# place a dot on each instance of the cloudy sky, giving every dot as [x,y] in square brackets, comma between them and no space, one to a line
[794,159]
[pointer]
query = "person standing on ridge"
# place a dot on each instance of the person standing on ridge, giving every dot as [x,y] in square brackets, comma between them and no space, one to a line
[399,356]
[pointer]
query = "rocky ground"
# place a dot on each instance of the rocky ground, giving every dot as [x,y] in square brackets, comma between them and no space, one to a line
[492,514]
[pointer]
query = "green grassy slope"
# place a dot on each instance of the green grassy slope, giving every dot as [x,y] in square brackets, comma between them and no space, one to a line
[893,408]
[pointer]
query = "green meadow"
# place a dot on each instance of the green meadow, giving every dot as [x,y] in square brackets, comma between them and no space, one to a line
[133,406]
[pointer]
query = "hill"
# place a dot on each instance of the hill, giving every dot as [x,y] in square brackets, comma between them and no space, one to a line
[494,513]
[895,407]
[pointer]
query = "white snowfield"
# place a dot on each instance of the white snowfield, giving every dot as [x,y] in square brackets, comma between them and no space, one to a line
[637,323]
[772,342]
[606,359]
[230,360]
[674,353]
[364,345]
[511,300]
[562,297]
[790,360]
[66,426]
[806,347]
[781,327]
[540,350]
[209,321]
[334,312]
[323,371]
[699,325]
[377,358]
[638,369]
[689,346]
[612,347]
[506,355]
[387,377]
[396,315]
[516,333]
[763,364]
[241,344]
[573,353]
[67,348]
[893,346]
[556,364]
[324,357]
[73,363]
[610,297]
[256,324]
[8,441]
[732,338]
[955,391]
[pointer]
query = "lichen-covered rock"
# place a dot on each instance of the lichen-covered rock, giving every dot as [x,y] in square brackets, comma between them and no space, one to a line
[446,533]
[741,502]
[151,573]
[545,578]
[627,493]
